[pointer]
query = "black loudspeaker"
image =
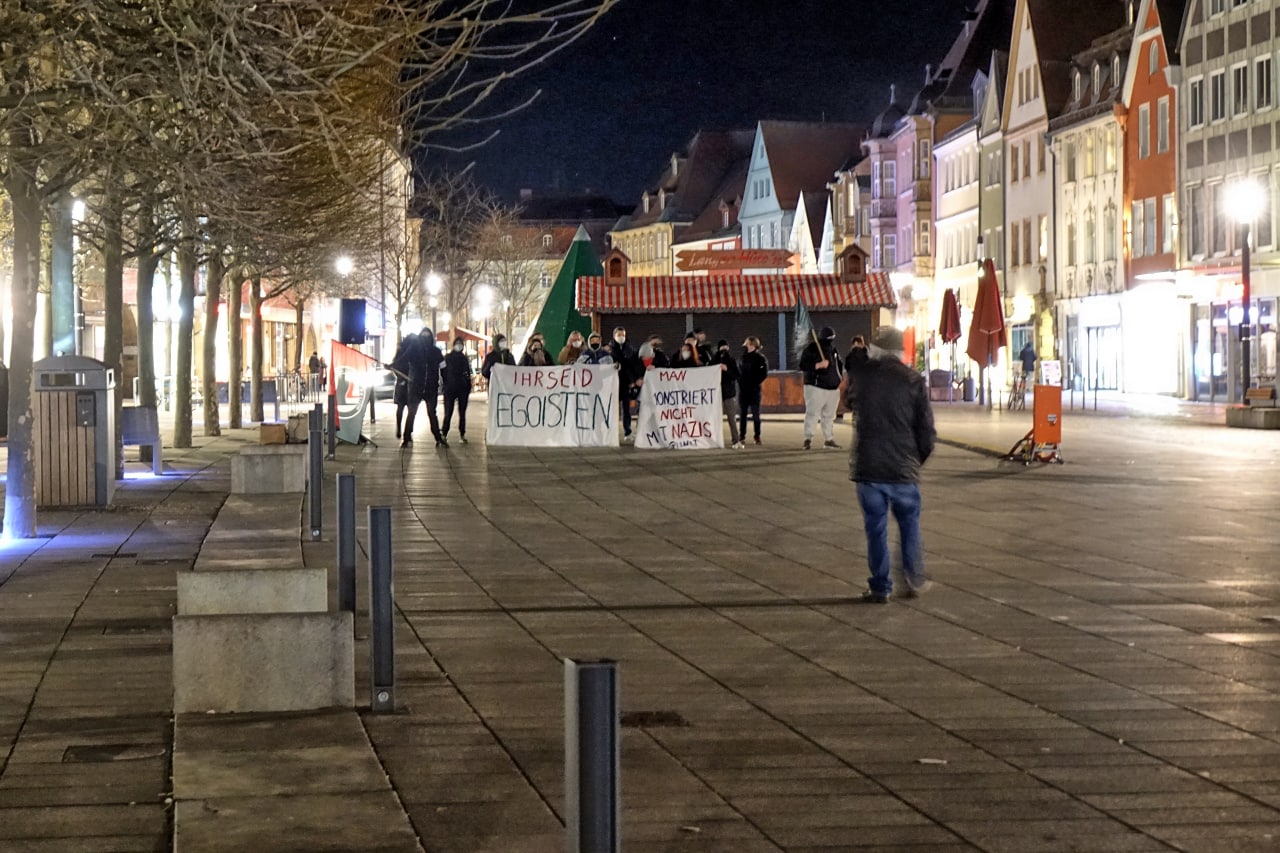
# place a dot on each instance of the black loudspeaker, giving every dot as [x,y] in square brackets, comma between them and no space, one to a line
[351,322]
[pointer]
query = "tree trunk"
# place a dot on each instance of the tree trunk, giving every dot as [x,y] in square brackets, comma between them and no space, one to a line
[255,353]
[298,320]
[235,340]
[148,262]
[182,360]
[20,483]
[209,355]
[113,313]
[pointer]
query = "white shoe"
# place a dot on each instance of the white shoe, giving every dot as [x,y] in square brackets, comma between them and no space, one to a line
[739,446]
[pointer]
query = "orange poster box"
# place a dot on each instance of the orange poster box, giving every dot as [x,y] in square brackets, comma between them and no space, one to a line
[1047,425]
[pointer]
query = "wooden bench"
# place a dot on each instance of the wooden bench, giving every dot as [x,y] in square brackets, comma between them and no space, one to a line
[1261,396]
[140,427]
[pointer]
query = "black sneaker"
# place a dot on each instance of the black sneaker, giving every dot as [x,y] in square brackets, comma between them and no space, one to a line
[440,442]
[831,444]
[408,442]
[464,438]
[870,597]
[807,444]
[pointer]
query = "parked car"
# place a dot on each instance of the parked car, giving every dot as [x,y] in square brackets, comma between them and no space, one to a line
[383,383]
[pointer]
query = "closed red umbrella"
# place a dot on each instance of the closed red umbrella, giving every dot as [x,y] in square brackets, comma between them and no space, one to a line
[949,329]
[986,332]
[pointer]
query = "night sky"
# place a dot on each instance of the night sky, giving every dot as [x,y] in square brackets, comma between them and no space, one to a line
[618,102]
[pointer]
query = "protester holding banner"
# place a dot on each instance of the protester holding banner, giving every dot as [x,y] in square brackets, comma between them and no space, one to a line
[456,374]
[688,355]
[500,354]
[572,349]
[536,355]
[630,375]
[680,409]
[823,371]
[753,370]
[729,373]
[595,353]
[702,349]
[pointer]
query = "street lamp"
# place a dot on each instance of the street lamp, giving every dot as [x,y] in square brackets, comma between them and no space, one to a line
[344,265]
[434,283]
[1245,201]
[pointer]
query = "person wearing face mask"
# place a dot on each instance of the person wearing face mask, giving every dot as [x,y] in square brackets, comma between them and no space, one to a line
[701,348]
[536,355]
[630,376]
[456,374]
[572,349]
[823,371]
[500,354]
[423,359]
[595,353]
[688,355]
[752,370]
[729,373]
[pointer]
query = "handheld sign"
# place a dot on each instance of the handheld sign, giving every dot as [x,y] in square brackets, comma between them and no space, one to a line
[680,408]
[572,405]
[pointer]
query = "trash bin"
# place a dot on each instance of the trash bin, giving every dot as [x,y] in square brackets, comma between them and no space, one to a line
[75,431]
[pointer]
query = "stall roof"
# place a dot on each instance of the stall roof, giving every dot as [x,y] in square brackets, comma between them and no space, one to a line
[468,335]
[733,293]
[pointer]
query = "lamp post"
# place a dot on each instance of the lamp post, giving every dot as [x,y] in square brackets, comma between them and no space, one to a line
[434,283]
[1245,201]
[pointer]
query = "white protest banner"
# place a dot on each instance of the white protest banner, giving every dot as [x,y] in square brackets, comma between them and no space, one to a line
[680,407]
[574,405]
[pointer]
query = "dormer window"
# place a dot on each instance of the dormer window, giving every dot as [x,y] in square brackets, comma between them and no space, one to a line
[662,199]
[1075,89]
[1115,70]
[546,241]
[675,165]
[1097,81]
[644,202]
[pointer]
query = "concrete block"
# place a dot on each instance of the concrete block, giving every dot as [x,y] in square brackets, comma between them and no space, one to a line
[1255,417]
[263,662]
[295,590]
[269,469]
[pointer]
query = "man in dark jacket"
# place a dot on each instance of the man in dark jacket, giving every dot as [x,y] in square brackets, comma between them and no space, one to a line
[500,354]
[456,374]
[729,374]
[753,369]
[823,371]
[420,361]
[895,436]
[630,369]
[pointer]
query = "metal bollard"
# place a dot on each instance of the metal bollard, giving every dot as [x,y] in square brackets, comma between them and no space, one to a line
[331,429]
[347,542]
[591,757]
[315,488]
[381,610]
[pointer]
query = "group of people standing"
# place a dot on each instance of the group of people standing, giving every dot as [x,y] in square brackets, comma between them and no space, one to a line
[422,370]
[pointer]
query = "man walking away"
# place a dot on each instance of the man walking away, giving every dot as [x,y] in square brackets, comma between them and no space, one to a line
[895,436]
[822,373]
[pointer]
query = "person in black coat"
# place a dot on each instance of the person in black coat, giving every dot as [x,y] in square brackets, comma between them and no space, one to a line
[729,374]
[823,371]
[420,360]
[630,375]
[753,369]
[500,354]
[456,374]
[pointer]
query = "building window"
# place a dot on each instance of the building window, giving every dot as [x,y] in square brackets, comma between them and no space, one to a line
[1262,83]
[1144,131]
[546,241]
[1041,152]
[925,158]
[1149,226]
[890,179]
[1109,151]
[773,235]
[1239,90]
[1026,158]
[1043,229]
[1217,7]
[1135,230]
[1218,96]
[544,280]
[1109,232]
[1195,103]
[1115,71]
[1162,125]
[1069,160]
[924,237]
[1262,228]
[1071,244]
[1013,163]
[1015,246]
[877,260]
[1219,231]
[1090,237]
[890,251]
[1089,163]
[1027,239]
[875,180]
[1097,81]
[1167,215]
[1153,58]
[1195,221]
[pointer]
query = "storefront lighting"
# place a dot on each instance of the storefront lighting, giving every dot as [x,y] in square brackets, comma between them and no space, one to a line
[1245,201]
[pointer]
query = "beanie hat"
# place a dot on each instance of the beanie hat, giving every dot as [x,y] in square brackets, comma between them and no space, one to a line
[721,343]
[827,333]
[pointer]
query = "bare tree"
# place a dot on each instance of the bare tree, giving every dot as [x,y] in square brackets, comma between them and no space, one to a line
[456,216]
[513,257]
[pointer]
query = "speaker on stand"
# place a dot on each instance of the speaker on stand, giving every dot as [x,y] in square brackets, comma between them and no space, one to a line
[351,328]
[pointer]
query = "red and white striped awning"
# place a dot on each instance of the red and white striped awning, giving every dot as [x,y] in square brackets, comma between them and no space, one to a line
[732,293]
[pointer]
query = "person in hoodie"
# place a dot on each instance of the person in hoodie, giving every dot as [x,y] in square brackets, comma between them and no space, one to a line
[456,374]
[400,391]
[823,371]
[688,355]
[535,354]
[572,349]
[753,369]
[421,363]
[630,375]
[729,373]
[595,353]
[500,354]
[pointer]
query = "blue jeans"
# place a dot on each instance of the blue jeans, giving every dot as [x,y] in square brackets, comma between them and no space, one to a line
[876,499]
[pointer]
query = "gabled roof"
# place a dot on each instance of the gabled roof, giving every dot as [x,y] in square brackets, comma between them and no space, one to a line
[1100,54]
[804,155]
[986,28]
[707,225]
[1171,12]
[1064,29]
[688,181]
[815,208]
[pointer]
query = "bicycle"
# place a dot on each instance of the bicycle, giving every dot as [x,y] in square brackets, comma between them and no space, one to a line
[1018,393]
